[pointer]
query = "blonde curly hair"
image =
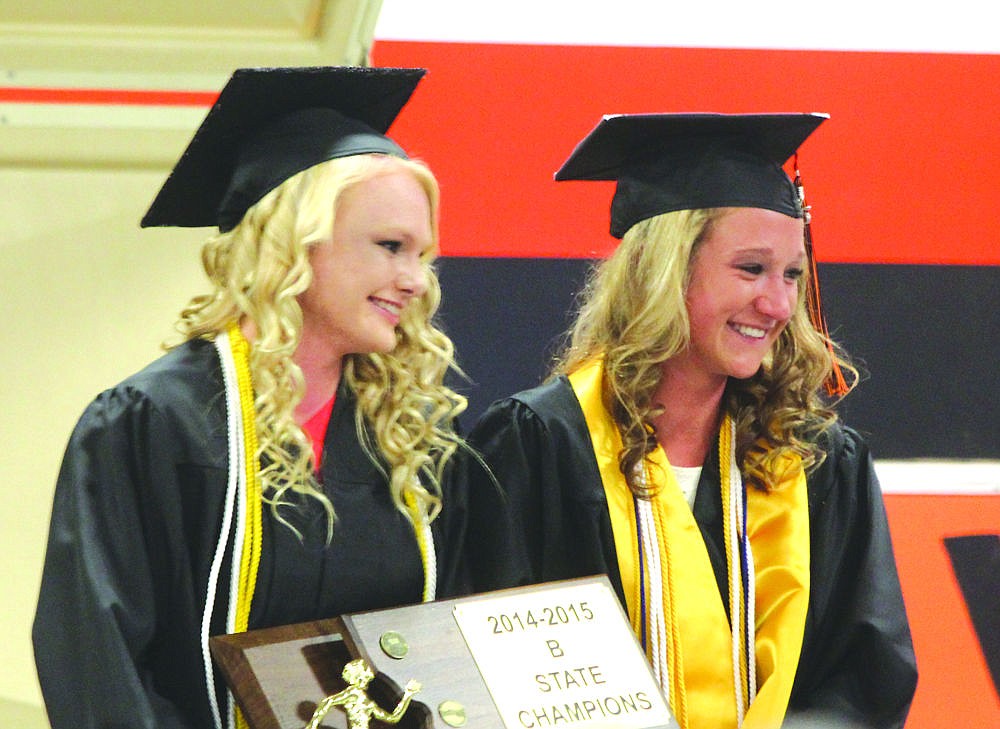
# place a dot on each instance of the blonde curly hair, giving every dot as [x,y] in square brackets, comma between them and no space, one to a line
[633,314]
[259,268]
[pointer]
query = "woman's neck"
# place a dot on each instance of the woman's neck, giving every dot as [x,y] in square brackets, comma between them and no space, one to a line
[689,422]
[321,371]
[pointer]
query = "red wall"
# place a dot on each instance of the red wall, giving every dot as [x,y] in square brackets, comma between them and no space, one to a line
[904,172]
[955,690]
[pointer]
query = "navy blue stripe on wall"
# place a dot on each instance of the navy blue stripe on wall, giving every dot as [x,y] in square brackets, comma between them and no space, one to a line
[506,317]
[927,336]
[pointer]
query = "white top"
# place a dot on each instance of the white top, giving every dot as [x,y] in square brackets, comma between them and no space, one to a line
[687,479]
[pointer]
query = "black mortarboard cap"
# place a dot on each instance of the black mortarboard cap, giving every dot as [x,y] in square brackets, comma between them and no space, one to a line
[668,162]
[271,123]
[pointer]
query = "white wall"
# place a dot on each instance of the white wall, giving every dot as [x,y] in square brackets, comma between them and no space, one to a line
[87,297]
[961,26]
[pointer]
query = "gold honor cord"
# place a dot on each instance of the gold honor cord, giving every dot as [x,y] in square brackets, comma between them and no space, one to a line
[243,453]
[425,542]
[249,561]
[250,556]
[243,500]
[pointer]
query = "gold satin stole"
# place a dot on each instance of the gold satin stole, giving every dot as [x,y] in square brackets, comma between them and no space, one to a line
[699,640]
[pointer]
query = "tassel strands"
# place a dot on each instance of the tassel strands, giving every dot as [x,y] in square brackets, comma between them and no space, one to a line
[836,384]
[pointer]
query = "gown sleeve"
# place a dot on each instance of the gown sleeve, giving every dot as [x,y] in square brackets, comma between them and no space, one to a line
[504,539]
[545,516]
[449,530]
[97,618]
[857,660]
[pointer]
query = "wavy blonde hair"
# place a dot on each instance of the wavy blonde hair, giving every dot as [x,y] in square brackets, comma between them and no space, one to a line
[633,313]
[259,268]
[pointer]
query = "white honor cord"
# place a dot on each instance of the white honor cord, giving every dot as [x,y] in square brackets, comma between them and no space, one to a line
[654,606]
[239,437]
[655,621]
[429,558]
[234,422]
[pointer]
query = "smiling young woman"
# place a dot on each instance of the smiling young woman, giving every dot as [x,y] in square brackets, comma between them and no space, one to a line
[686,446]
[285,460]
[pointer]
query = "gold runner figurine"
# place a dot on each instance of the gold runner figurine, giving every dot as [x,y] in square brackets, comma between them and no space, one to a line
[355,702]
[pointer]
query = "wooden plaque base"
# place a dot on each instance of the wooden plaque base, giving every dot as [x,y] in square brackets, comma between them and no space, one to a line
[545,654]
[278,675]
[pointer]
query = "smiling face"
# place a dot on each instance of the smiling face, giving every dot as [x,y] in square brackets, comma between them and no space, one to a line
[371,267]
[743,290]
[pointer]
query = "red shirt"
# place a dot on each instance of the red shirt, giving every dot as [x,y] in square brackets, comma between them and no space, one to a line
[315,428]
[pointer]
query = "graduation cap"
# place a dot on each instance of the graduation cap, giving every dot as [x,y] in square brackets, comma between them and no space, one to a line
[668,162]
[271,123]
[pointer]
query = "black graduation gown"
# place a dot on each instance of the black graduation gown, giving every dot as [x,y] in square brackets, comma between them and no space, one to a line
[551,522]
[135,522]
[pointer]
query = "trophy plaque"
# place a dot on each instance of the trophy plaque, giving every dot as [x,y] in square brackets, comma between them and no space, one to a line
[560,653]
